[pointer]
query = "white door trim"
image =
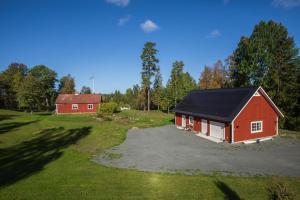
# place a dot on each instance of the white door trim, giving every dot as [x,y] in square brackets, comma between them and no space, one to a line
[183,124]
[204,122]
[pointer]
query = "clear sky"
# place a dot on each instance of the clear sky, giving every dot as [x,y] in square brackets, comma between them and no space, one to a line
[104,38]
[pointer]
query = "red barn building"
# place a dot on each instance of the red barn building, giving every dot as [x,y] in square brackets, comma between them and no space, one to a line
[234,115]
[77,103]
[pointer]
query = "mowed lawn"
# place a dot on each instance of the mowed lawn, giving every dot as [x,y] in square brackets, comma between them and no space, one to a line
[49,157]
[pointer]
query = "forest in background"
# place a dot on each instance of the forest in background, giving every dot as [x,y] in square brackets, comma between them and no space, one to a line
[268,58]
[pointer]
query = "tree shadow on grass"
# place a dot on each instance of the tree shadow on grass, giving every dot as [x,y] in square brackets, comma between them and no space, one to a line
[7,117]
[229,193]
[6,127]
[29,157]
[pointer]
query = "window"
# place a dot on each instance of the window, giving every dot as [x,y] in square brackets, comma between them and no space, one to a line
[256,126]
[90,106]
[191,120]
[74,106]
[257,94]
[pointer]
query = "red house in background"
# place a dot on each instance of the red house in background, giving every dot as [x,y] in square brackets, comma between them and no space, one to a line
[77,103]
[232,115]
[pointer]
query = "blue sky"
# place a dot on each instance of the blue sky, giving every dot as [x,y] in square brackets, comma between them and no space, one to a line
[104,38]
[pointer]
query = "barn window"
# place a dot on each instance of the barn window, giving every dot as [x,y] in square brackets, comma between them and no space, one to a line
[191,120]
[256,126]
[90,106]
[74,106]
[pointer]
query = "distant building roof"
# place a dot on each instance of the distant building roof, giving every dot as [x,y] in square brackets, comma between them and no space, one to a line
[78,98]
[217,104]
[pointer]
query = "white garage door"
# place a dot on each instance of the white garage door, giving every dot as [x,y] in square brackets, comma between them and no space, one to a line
[217,129]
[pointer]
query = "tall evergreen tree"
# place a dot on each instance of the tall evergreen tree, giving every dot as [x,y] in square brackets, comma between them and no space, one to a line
[269,57]
[149,63]
[67,85]
[157,89]
[167,101]
[136,92]
[175,82]
[188,84]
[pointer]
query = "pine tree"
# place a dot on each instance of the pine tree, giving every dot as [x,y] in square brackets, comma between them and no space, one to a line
[157,89]
[188,84]
[175,81]
[149,63]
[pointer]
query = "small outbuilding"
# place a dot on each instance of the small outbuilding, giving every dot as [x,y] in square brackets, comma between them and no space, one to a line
[233,115]
[77,103]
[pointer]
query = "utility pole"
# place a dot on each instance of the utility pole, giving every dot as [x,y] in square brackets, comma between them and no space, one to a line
[93,81]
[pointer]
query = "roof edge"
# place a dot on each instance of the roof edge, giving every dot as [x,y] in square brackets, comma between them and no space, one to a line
[203,115]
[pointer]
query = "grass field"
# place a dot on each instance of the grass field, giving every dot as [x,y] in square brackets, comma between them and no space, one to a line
[48,157]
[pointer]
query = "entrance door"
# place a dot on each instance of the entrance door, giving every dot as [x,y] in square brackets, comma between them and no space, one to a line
[204,126]
[217,130]
[183,121]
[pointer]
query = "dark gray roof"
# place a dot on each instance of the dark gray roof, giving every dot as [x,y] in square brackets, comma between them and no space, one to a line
[217,104]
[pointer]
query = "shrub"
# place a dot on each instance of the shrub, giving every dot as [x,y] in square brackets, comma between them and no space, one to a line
[279,191]
[107,109]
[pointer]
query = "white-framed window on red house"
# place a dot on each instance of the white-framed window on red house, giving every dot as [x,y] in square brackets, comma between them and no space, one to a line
[74,106]
[90,106]
[256,126]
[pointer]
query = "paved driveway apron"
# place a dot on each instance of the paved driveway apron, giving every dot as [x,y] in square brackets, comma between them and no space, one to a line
[169,149]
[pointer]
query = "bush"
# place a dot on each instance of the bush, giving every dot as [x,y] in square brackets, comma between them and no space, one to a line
[279,191]
[107,109]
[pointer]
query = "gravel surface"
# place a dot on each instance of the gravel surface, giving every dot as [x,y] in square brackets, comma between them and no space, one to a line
[167,149]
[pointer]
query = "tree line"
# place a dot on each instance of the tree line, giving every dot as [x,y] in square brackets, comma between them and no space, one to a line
[268,58]
[33,89]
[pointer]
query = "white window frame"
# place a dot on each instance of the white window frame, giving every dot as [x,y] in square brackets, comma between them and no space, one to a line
[256,131]
[74,106]
[90,108]
[191,117]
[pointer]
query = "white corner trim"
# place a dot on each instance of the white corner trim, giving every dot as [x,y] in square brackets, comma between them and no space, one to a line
[232,132]
[277,125]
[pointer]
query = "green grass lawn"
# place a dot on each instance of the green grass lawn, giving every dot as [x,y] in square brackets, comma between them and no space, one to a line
[49,157]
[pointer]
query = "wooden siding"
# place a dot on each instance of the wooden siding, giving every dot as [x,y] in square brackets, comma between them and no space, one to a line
[258,109]
[82,108]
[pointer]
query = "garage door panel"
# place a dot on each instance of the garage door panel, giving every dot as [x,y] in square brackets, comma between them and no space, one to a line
[217,129]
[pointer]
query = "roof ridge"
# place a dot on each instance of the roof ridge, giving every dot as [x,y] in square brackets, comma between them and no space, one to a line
[214,89]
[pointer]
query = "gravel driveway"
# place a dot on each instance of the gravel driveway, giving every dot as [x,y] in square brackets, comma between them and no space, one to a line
[167,149]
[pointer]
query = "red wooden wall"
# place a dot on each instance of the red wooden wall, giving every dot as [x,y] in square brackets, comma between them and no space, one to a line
[197,125]
[82,108]
[258,109]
